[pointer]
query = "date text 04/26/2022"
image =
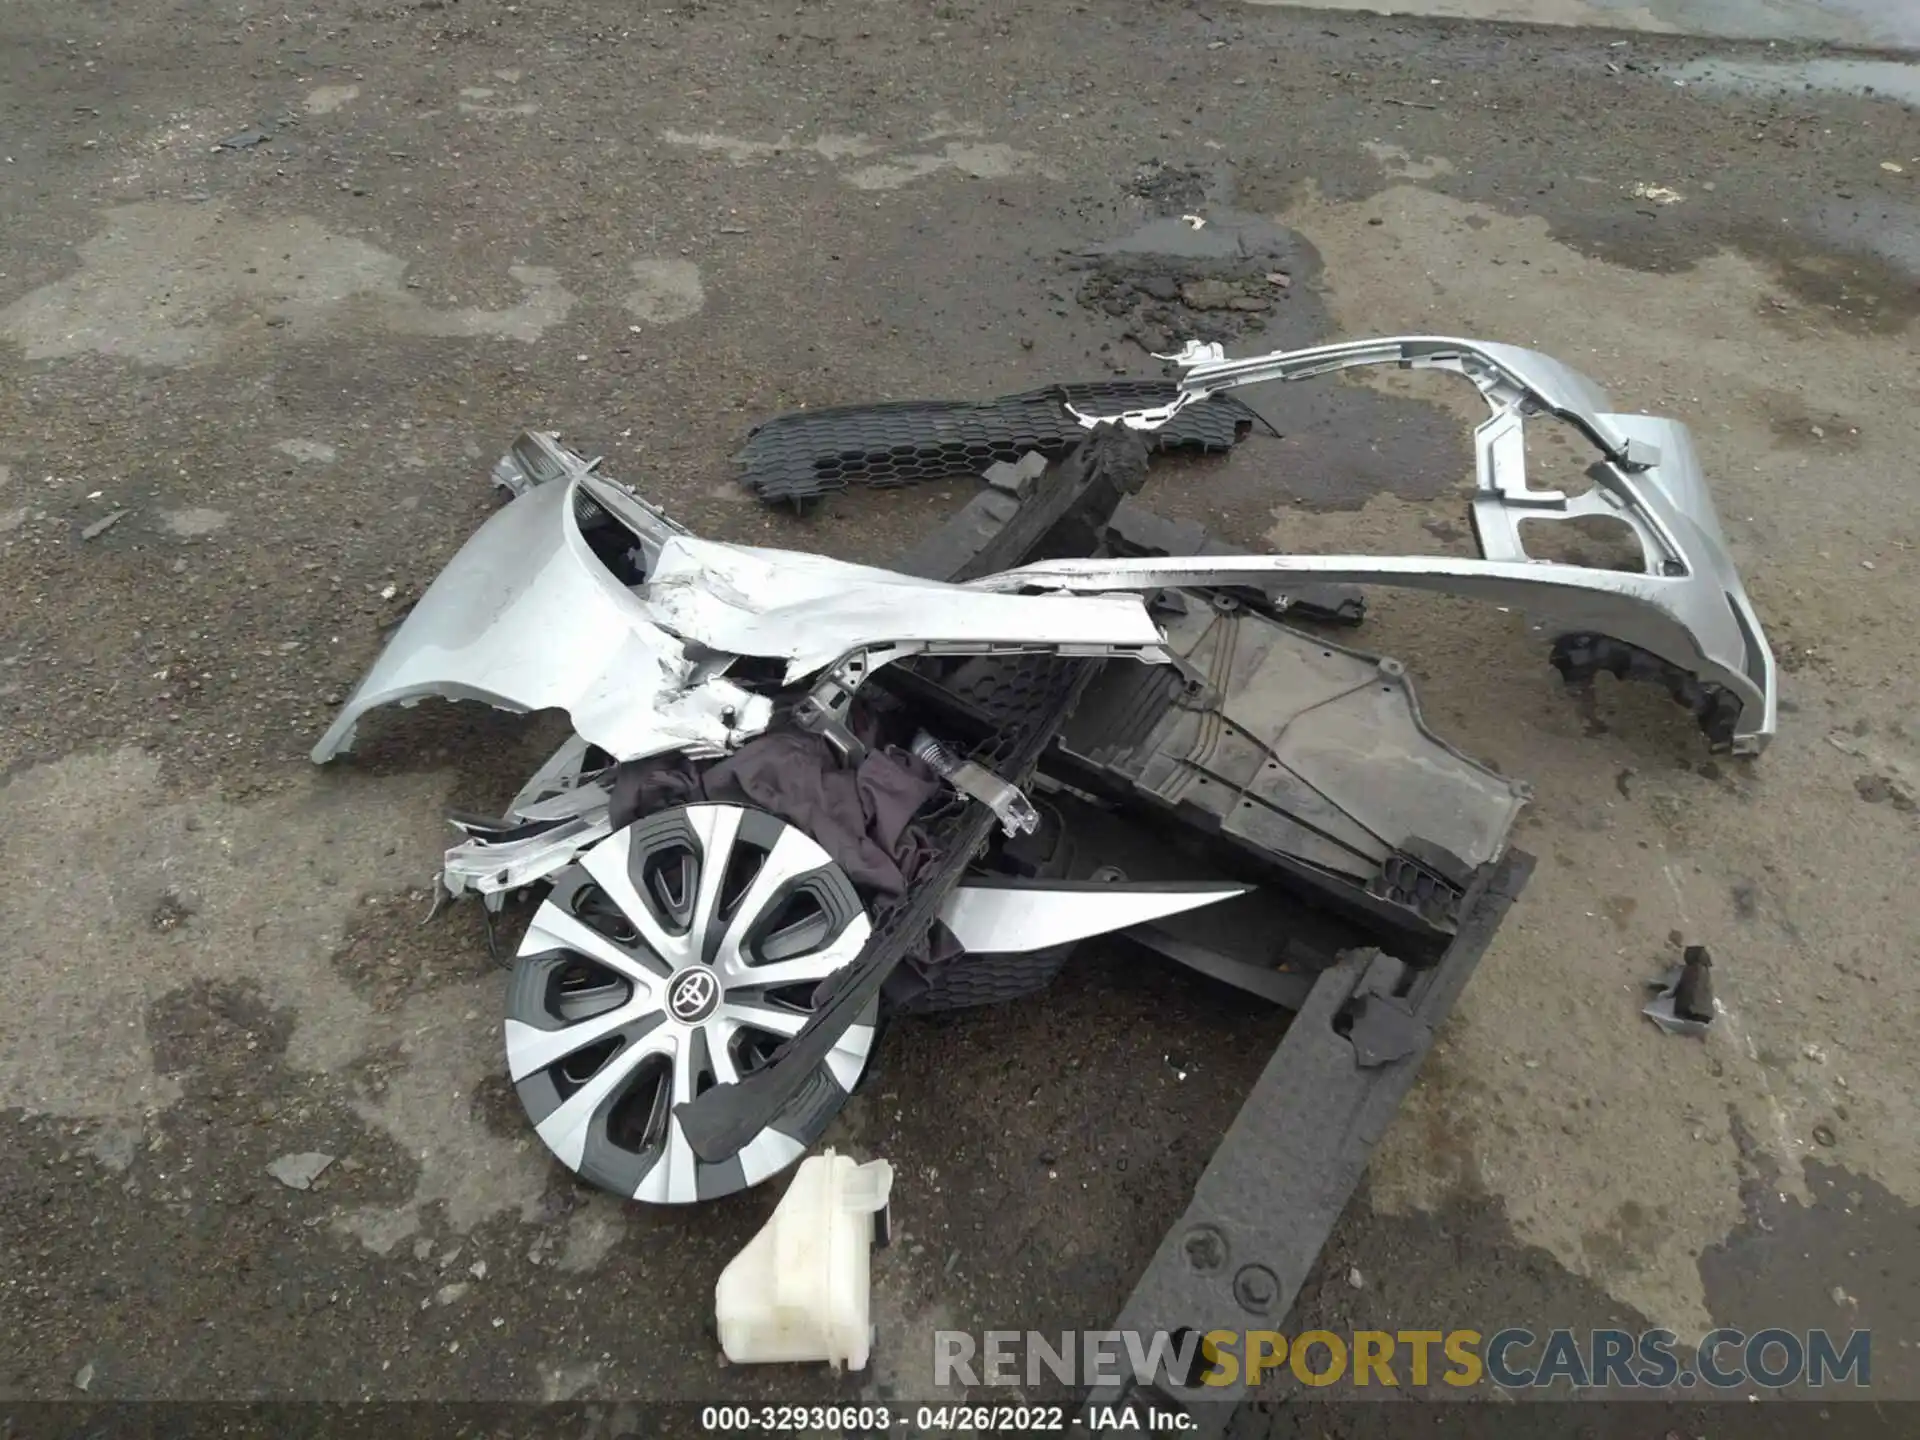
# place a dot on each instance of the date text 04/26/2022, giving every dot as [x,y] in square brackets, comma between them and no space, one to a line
[933,1419]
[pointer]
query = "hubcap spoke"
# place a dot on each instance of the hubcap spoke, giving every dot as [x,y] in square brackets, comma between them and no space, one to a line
[770,1018]
[725,1072]
[847,1059]
[792,856]
[675,1177]
[802,969]
[718,825]
[607,864]
[565,1130]
[530,1050]
[555,929]
[769,1154]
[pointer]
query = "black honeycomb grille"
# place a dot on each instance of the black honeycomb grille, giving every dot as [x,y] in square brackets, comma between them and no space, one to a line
[806,454]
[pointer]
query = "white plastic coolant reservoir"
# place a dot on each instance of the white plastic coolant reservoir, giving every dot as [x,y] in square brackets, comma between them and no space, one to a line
[799,1290]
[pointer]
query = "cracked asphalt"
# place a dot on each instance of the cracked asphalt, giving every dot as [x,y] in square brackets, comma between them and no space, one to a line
[276,288]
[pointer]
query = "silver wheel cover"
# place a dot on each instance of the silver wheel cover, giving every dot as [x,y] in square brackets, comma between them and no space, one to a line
[674,955]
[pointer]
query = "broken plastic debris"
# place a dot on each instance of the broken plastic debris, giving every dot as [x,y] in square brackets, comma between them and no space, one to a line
[1659,194]
[800,1290]
[298,1172]
[1194,222]
[1684,1004]
[102,525]
[1893,167]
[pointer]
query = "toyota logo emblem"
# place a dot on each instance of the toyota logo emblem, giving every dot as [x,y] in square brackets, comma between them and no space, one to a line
[693,994]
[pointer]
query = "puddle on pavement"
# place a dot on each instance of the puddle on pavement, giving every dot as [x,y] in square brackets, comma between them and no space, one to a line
[1892,79]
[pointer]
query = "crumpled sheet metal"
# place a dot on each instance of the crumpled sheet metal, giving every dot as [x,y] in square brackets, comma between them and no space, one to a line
[493,867]
[526,618]
[812,611]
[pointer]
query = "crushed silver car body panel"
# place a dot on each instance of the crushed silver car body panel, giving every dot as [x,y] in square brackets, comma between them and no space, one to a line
[1686,624]
[527,617]
[1687,606]
[811,611]
[492,867]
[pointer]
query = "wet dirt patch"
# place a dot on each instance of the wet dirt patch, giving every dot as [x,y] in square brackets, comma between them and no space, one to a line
[402,948]
[1885,790]
[1171,189]
[1674,839]
[1162,309]
[487,753]
[1172,280]
[1840,75]
[281,877]
[1862,271]
[1794,424]
[496,1105]
[226,1045]
[1839,1252]
[1851,261]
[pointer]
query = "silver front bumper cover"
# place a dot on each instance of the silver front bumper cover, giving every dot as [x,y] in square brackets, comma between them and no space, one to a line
[1687,608]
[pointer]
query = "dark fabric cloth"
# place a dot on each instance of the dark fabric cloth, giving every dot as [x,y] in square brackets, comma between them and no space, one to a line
[860,815]
[641,787]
